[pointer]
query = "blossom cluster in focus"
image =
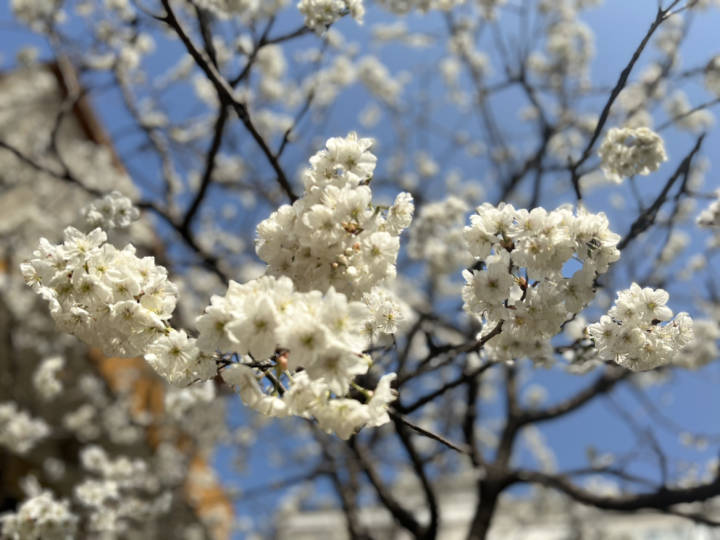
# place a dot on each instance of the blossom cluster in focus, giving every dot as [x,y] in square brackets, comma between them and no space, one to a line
[333,236]
[518,278]
[632,335]
[109,298]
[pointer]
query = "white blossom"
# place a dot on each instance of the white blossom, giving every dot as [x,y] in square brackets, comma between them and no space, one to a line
[710,217]
[314,343]
[177,358]
[627,152]
[683,115]
[20,432]
[333,236]
[520,282]
[114,211]
[107,297]
[631,334]
[117,491]
[37,13]
[385,312]
[436,236]
[704,347]
[320,14]
[45,379]
[41,517]
[378,80]
[405,6]
[179,401]
[712,76]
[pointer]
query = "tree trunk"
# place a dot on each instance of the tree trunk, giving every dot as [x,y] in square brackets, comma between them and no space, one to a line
[488,497]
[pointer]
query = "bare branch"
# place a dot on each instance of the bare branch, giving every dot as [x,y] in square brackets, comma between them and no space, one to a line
[227,97]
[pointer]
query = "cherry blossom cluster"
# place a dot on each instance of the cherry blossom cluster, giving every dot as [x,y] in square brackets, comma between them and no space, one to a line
[685,116]
[703,5]
[320,14]
[436,236]
[113,211]
[230,7]
[118,491]
[19,432]
[45,379]
[333,236]
[704,348]
[569,45]
[176,357]
[631,334]
[37,13]
[309,397]
[710,217]
[278,330]
[626,152]
[109,298]
[324,334]
[40,517]
[569,48]
[406,6]
[712,75]
[518,279]
[379,81]
[180,401]
[385,311]
[299,343]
